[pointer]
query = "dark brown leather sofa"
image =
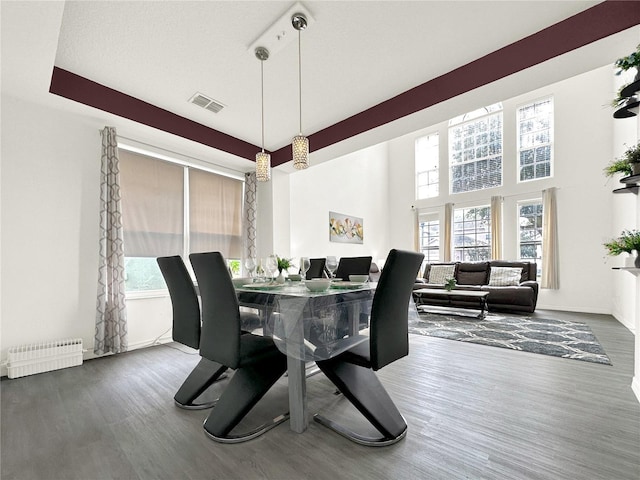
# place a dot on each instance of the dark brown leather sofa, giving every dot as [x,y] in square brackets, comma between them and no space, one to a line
[475,276]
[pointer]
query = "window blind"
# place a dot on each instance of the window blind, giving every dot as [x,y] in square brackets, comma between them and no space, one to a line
[152,206]
[215,211]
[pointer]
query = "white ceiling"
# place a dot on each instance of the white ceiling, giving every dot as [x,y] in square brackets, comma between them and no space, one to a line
[354,56]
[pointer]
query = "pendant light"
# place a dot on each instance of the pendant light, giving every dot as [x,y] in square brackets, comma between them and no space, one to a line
[300,143]
[263,159]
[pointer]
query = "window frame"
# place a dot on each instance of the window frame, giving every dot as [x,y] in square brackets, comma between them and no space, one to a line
[519,205]
[455,249]
[186,163]
[550,143]
[459,123]
[425,219]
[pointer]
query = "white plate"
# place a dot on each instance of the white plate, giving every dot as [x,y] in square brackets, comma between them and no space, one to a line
[261,286]
[347,285]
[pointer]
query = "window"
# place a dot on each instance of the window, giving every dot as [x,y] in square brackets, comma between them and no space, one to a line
[430,238]
[535,139]
[427,162]
[472,234]
[170,209]
[475,150]
[530,237]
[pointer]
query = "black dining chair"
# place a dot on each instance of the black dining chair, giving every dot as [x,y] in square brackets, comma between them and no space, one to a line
[353,266]
[186,330]
[316,268]
[353,372]
[257,362]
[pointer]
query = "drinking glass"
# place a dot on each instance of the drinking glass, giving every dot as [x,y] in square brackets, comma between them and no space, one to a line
[250,265]
[271,266]
[260,266]
[305,264]
[331,265]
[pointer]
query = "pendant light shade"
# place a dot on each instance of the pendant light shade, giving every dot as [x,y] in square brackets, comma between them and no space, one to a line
[263,167]
[300,143]
[300,148]
[263,159]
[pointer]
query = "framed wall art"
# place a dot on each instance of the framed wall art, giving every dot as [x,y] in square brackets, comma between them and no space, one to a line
[345,228]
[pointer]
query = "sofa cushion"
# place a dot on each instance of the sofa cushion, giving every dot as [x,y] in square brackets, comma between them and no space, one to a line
[510,296]
[528,268]
[505,276]
[439,274]
[472,273]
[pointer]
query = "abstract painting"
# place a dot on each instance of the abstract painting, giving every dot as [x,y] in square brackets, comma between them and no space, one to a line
[345,228]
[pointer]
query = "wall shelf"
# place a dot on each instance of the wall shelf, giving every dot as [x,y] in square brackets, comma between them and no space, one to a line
[632,184]
[626,110]
[630,89]
[632,189]
[630,108]
[634,270]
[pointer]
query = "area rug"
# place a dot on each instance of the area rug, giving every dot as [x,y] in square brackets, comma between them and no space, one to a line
[559,338]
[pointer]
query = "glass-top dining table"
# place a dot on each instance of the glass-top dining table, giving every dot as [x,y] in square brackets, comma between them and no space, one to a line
[309,326]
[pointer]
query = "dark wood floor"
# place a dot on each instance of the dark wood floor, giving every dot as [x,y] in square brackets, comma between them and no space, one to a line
[474,412]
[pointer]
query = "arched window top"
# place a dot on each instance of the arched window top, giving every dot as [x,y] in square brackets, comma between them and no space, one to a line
[496,107]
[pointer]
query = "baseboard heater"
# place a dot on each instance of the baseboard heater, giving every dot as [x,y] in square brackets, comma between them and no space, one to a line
[43,357]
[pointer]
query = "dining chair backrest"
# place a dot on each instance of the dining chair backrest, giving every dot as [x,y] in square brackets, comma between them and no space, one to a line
[353,266]
[184,301]
[221,330]
[389,330]
[316,268]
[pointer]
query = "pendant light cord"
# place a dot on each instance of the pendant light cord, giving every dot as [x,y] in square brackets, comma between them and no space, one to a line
[300,79]
[262,101]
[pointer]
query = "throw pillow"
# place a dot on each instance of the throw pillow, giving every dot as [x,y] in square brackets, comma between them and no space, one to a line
[505,276]
[441,273]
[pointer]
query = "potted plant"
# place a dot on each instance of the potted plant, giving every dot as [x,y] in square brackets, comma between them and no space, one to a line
[625,96]
[630,61]
[627,164]
[450,284]
[632,156]
[618,166]
[627,242]
[283,264]
[620,98]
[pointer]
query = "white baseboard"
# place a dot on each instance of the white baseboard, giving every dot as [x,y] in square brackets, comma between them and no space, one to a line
[88,354]
[628,325]
[635,386]
[564,308]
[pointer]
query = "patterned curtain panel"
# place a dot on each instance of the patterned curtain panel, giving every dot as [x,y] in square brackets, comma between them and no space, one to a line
[496,227]
[111,314]
[550,272]
[249,217]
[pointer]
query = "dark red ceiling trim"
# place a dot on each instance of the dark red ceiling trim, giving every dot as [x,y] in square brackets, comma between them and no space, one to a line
[597,22]
[74,87]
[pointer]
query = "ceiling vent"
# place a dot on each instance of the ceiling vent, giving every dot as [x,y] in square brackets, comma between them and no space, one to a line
[206,103]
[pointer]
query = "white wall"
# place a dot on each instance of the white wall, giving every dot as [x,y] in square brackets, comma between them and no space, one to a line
[49,222]
[50,180]
[583,139]
[355,184]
